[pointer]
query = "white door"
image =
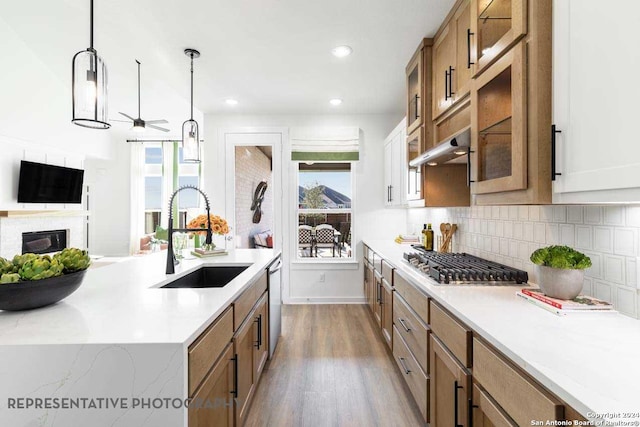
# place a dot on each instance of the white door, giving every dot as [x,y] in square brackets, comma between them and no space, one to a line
[595,105]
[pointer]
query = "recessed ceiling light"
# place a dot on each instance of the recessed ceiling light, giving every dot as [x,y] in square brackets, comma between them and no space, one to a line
[335,102]
[231,101]
[459,152]
[341,51]
[432,164]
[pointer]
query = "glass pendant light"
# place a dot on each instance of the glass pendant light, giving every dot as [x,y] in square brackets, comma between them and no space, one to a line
[89,86]
[190,133]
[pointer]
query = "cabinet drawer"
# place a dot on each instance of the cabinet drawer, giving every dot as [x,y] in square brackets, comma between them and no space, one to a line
[452,333]
[207,347]
[414,332]
[416,379]
[521,399]
[486,412]
[377,263]
[418,301]
[245,302]
[387,272]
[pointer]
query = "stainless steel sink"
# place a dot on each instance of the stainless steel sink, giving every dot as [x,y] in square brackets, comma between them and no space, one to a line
[208,277]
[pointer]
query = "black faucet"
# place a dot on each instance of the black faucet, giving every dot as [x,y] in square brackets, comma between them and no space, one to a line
[171,258]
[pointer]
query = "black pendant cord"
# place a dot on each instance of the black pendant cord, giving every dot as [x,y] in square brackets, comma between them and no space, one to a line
[91,25]
[191,87]
[138,88]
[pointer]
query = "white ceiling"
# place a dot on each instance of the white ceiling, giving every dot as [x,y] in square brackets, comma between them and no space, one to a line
[273,56]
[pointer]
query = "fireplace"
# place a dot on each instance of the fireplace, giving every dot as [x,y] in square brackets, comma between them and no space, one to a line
[43,242]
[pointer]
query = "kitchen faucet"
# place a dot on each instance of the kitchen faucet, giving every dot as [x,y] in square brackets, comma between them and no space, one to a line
[171,258]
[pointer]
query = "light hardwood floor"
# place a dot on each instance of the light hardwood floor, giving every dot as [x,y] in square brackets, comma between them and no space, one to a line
[331,368]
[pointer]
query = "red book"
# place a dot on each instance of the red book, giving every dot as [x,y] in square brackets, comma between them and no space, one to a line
[581,302]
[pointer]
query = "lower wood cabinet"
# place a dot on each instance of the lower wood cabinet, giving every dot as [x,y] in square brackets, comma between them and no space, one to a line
[414,376]
[243,342]
[450,394]
[377,306]
[386,311]
[212,404]
[261,347]
[486,412]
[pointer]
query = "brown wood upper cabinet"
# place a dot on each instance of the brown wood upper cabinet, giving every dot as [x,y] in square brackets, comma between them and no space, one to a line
[452,66]
[418,73]
[498,125]
[496,25]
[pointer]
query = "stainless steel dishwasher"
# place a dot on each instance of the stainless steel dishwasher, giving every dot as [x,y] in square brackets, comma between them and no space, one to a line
[275,303]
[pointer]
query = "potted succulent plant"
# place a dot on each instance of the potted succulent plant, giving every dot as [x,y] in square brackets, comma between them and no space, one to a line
[560,271]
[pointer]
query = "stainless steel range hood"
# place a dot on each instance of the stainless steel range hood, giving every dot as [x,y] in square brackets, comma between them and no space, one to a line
[445,151]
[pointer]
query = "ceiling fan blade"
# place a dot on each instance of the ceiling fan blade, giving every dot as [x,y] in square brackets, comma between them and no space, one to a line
[156,121]
[120,121]
[127,116]
[157,127]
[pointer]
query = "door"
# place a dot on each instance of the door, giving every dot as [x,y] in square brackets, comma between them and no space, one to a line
[377,303]
[275,304]
[243,343]
[450,387]
[498,125]
[261,345]
[372,297]
[218,388]
[595,101]
[386,302]
[415,92]
[414,148]
[444,54]
[464,60]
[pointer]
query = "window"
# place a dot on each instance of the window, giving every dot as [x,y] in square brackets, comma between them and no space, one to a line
[164,172]
[325,215]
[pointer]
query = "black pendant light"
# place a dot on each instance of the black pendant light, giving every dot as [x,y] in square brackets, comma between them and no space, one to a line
[190,133]
[89,86]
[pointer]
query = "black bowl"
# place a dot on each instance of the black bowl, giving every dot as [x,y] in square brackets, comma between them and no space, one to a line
[38,293]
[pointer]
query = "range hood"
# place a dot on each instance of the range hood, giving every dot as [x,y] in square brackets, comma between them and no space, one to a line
[446,150]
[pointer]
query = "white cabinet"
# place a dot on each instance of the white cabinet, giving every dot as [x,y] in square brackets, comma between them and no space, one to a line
[395,181]
[595,101]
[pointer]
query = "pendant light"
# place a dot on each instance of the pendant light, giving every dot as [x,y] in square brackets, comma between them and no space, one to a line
[89,86]
[190,133]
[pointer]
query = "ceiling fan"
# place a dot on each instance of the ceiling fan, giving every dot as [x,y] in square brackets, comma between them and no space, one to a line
[139,124]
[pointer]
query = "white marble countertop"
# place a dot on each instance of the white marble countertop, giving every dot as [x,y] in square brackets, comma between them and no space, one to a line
[590,360]
[123,303]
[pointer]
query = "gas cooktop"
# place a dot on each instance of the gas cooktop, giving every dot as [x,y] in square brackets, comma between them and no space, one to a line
[462,268]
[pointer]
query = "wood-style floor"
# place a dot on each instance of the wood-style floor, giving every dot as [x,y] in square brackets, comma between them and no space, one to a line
[331,368]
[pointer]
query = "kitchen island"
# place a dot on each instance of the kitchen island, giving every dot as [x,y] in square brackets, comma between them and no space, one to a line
[118,346]
[588,360]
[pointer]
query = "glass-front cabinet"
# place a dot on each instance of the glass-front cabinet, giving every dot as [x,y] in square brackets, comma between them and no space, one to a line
[498,125]
[414,92]
[414,174]
[496,25]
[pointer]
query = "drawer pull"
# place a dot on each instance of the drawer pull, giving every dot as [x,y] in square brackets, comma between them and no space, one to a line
[456,387]
[407,371]
[235,376]
[258,320]
[402,322]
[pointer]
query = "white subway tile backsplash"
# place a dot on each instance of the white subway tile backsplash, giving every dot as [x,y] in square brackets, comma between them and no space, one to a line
[614,269]
[609,235]
[593,214]
[583,237]
[603,239]
[626,301]
[624,241]
[614,215]
[574,214]
[567,234]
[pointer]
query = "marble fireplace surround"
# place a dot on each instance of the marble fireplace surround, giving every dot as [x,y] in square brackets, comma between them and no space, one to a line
[11,229]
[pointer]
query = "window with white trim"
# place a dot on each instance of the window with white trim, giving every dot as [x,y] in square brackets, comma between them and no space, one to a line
[325,211]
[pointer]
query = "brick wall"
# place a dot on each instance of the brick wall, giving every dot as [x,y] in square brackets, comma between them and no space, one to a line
[252,166]
[509,234]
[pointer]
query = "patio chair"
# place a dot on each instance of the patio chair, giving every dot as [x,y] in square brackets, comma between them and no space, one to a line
[325,238]
[305,238]
[345,236]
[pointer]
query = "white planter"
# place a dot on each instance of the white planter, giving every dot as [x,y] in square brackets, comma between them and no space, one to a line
[560,283]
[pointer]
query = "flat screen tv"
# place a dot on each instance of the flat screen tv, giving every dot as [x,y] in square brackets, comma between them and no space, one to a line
[40,183]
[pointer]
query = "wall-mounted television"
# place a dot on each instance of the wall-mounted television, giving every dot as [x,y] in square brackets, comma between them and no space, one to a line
[40,183]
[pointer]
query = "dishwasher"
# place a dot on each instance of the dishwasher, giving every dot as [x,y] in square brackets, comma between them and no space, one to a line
[275,303]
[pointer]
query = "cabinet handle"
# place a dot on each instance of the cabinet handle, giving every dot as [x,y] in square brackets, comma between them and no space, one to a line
[391,193]
[469,34]
[407,371]
[258,320]
[446,85]
[416,98]
[404,325]
[469,180]
[470,408]
[451,92]
[235,376]
[456,387]
[554,131]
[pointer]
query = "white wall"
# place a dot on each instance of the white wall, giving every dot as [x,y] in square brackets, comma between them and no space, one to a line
[343,283]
